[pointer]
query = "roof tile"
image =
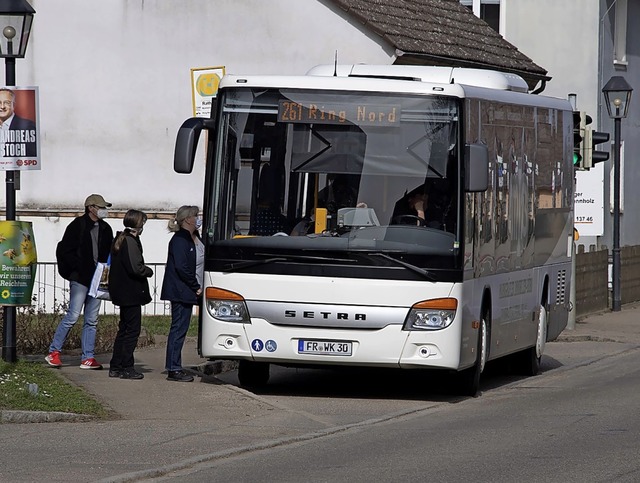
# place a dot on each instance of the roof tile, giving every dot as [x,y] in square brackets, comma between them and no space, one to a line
[443,32]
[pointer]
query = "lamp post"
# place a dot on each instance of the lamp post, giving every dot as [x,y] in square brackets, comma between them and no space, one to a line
[16,17]
[617,94]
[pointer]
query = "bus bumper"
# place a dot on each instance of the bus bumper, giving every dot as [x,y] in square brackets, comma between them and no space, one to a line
[387,347]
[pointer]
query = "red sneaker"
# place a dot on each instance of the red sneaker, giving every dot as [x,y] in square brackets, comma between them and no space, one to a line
[54,359]
[90,363]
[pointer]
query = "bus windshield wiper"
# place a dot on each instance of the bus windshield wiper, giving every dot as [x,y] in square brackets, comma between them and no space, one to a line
[311,258]
[425,273]
[234,267]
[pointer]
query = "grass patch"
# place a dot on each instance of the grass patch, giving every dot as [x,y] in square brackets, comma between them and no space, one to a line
[31,386]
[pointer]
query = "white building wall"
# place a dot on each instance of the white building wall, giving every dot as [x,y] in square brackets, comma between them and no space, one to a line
[114,80]
[563,37]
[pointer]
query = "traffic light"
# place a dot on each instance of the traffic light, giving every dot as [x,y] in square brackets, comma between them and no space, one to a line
[591,139]
[597,137]
[585,141]
[579,128]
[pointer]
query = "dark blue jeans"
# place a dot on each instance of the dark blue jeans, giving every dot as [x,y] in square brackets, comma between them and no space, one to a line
[180,319]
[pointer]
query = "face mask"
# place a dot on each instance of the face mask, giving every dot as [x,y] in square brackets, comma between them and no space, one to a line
[102,213]
[198,222]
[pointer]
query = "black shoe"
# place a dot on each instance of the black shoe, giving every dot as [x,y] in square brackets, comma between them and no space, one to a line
[179,376]
[115,373]
[131,373]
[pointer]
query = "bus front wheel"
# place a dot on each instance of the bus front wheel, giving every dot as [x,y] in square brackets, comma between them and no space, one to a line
[253,374]
[470,378]
[530,358]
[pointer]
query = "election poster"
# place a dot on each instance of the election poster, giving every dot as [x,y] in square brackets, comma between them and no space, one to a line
[204,87]
[19,119]
[18,262]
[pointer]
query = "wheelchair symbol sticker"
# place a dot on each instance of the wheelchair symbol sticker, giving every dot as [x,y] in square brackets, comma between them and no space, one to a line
[271,346]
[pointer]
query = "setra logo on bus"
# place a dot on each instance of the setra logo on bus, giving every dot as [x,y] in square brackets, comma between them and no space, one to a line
[309,314]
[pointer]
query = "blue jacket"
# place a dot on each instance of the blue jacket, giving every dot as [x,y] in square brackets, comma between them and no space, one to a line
[180,283]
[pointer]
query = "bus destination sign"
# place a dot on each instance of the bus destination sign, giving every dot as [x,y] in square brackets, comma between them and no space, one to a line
[322,113]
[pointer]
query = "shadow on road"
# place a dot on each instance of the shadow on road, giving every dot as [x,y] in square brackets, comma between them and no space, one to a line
[376,383]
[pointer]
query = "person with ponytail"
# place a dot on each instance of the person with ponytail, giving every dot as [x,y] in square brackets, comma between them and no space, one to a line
[129,289]
[182,284]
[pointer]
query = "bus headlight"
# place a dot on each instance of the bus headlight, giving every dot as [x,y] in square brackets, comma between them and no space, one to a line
[431,314]
[226,306]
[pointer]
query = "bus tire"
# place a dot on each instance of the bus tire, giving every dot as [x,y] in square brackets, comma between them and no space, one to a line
[470,378]
[253,374]
[531,357]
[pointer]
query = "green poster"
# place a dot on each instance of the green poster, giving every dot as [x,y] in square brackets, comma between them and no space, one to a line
[18,262]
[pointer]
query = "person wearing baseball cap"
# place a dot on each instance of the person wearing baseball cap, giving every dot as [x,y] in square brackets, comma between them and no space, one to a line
[96,200]
[86,241]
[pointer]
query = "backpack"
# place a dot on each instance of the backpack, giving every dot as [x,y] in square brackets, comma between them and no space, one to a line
[63,268]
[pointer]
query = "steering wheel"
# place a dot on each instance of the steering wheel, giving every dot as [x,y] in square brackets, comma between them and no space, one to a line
[396,219]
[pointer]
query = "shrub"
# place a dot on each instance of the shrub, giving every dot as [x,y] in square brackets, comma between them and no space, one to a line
[35,329]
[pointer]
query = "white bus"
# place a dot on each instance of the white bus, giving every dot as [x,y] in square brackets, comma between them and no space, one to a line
[403,217]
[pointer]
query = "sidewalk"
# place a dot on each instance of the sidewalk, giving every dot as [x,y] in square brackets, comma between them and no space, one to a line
[153,397]
[623,326]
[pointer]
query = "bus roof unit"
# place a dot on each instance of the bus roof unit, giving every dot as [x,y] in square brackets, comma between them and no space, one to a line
[440,75]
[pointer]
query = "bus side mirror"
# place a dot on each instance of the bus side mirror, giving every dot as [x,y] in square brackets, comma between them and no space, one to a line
[186,144]
[476,168]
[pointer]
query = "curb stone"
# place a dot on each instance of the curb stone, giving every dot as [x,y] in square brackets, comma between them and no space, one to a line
[211,368]
[585,338]
[19,417]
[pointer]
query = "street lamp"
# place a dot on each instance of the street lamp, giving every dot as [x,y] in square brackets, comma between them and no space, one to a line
[617,93]
[16,17]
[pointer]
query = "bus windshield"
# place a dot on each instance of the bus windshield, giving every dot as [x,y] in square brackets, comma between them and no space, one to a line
[330,171]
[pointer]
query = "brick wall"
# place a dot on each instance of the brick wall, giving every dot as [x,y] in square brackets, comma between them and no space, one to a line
[592,292]
[630,274]
[592,279]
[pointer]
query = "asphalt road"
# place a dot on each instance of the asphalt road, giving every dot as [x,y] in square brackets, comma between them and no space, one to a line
[576,425]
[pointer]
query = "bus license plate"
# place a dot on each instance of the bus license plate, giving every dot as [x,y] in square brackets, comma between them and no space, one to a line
[325,347]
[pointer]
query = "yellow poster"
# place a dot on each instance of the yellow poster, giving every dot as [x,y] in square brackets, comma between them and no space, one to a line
[18,262]
[204,87]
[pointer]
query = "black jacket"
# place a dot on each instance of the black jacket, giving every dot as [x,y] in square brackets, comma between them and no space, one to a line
[180,283]
[128,274]
[74,253]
